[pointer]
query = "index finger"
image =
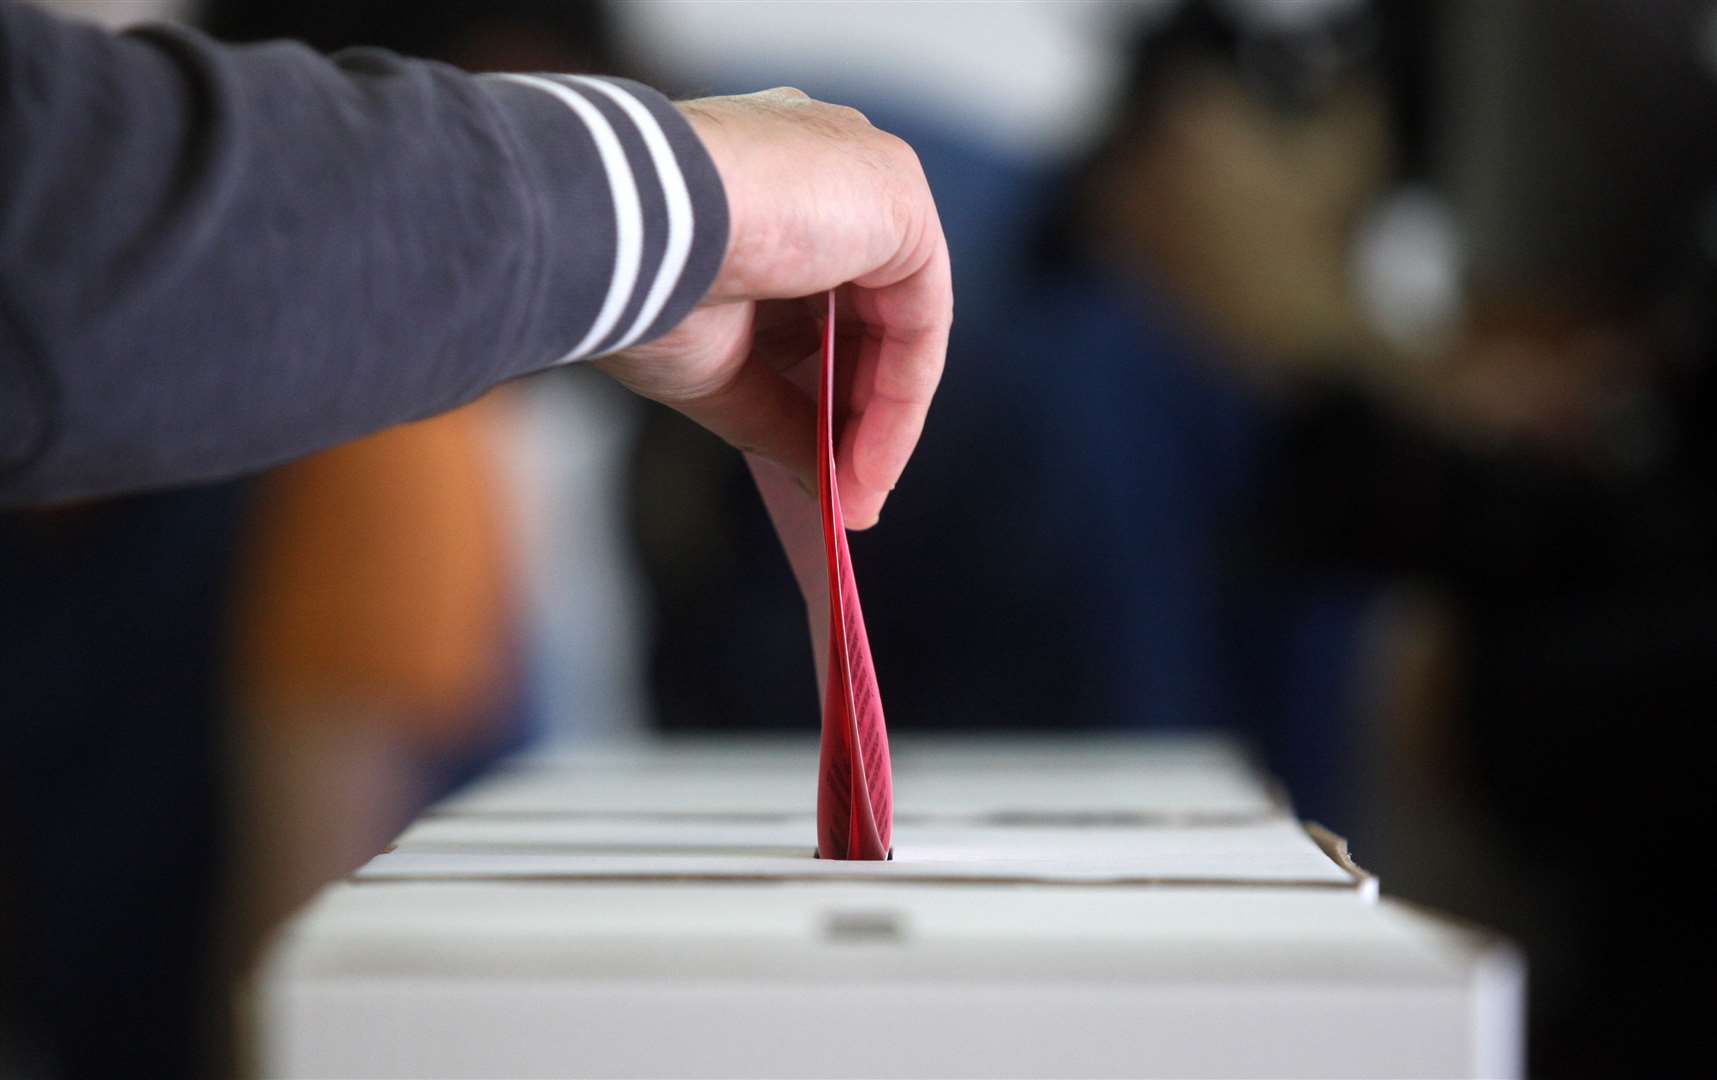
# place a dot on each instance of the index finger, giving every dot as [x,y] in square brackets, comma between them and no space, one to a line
[903,346]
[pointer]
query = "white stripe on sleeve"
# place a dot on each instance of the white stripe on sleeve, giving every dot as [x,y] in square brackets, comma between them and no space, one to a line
[674,192]
[628,214]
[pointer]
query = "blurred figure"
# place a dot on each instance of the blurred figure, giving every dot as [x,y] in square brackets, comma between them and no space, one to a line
[1544,751]
[375,660]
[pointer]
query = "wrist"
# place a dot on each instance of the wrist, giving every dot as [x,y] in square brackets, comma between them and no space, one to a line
[707,125]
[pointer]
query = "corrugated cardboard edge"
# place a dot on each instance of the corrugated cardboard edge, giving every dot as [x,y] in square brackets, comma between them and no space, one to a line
[1336,848]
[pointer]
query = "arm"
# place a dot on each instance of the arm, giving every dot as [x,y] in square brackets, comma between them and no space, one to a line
[215,259]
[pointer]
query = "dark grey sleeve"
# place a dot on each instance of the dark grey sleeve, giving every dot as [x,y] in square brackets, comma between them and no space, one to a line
[213,259]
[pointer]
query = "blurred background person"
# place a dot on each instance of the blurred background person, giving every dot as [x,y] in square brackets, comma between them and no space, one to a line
[1544,483]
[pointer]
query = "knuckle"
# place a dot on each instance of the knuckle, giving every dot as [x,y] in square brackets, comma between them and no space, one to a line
[850,115]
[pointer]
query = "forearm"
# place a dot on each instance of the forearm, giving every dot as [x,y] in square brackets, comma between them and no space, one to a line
[216,259]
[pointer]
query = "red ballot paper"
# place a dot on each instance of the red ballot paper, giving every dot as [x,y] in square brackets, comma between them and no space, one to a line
[855,795]
[855,782]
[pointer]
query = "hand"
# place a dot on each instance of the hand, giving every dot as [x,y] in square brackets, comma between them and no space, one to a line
[817,199]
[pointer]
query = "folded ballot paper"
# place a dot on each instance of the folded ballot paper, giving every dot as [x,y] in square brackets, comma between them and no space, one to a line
[855,786]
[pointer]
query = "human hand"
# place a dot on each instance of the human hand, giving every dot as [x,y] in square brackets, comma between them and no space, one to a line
[818,199]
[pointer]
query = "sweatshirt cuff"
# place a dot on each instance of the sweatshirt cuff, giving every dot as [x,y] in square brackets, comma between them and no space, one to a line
[633,218]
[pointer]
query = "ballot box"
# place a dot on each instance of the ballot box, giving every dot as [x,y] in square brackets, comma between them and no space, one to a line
[1086,908]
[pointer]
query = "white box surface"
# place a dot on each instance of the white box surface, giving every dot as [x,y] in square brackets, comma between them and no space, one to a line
[1174,923]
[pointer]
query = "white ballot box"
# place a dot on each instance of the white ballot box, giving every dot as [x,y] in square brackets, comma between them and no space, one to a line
[1070,908]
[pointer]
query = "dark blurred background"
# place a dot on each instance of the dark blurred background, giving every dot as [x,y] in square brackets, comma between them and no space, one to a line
[1336,374]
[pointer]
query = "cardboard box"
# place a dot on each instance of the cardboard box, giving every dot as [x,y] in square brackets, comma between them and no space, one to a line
[1077,909]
